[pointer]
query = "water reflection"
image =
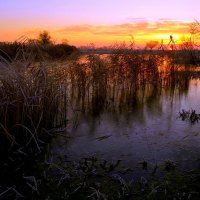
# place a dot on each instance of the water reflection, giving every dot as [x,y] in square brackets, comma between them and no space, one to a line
[134,109]
[120,83]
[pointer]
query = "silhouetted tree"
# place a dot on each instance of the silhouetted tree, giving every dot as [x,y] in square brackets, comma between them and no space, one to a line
[152,44]
[195,33]
[45,38]
[65,41]
[186,44]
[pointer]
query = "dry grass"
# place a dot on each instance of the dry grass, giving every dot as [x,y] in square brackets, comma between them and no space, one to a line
[99,82]
[32,101]
[35,96]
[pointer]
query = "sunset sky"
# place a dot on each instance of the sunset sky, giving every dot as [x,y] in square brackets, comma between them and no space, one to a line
[101,22]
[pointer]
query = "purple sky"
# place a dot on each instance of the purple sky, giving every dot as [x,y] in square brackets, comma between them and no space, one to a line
[18,16]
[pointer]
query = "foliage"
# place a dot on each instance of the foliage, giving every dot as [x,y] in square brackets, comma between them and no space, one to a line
[195,32]
[44,38]
[190,115]
[33,101]
[34,50]
[152,44]
[34,98]
[92,178]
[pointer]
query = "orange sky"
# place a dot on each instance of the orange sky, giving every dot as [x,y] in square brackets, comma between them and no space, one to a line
[107,34]
[104,22]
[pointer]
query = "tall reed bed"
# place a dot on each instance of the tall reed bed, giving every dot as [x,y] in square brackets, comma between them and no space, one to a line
[34,94]
[32,102]
[116,80]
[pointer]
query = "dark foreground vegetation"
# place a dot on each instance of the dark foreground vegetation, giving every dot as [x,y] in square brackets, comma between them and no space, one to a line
[92,178]
[18,50]
[190,115]
[35,49]
[34,97]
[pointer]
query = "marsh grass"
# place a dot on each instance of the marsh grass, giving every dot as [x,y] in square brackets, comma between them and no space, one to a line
[31,100]
[93,178]
[190,115]
[33,103]
[35,95]
[119,81]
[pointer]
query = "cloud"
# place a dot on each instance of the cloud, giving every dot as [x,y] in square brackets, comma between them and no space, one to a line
[116,29]
[126,28]
[143,31]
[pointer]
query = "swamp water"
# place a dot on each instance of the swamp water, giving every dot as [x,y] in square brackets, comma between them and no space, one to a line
[135,128]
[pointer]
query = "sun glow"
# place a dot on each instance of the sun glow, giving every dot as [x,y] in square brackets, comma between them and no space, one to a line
[108,34]
[170,49]
[176,36]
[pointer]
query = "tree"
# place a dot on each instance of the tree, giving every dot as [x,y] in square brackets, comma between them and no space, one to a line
[65,41]
[45,38]
[152,44]
[186,44]
[195,33]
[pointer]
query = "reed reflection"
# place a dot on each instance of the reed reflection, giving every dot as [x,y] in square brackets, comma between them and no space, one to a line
[121,82]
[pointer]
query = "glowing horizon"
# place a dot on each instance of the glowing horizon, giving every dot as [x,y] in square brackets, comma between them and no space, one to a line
[103,23]
[104,35]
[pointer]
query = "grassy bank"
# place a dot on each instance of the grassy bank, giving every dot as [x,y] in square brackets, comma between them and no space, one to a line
[32,104]
[93,178]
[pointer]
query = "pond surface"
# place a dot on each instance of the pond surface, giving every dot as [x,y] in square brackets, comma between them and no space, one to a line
[150,131]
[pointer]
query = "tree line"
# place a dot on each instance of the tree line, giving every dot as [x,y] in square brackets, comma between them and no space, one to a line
[43,47]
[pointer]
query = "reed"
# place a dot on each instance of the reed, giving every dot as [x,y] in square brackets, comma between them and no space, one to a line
[35,95]
[115,81]
[32,102]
